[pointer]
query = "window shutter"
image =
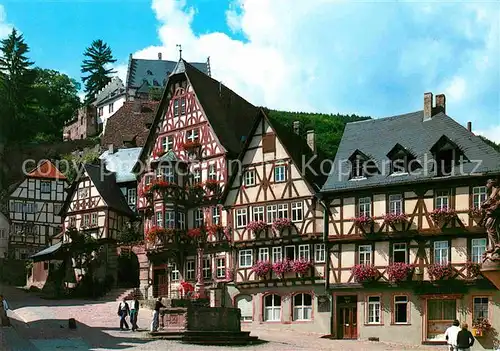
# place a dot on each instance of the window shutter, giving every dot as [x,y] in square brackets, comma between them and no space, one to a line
[269,143]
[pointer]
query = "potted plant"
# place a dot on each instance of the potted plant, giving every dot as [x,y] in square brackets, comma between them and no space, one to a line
[476,214]
[480,326]
[442,216]
[256,226]
[439,271]
[262,268]
[301,266]
[365,223]
[364,273]
[281,267]
[280,224]
[473,269]
[396,220]
[399,271]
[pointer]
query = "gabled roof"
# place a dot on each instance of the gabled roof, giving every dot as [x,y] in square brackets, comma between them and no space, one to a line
[113,89]
[46,170]
[121,162]
[231,116]
[377,137]
[168,157]
[130,124]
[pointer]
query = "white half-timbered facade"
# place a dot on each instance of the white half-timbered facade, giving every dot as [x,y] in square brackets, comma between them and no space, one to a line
[34,207]
[4,235]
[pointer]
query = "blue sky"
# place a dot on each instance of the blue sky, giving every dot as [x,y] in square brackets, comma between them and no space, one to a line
[369,58]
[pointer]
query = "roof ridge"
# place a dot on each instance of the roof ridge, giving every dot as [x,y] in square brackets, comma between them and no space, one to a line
[388,117]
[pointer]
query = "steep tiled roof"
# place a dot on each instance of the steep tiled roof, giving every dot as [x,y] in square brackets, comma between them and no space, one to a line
[121,162]
[129,125]
[46,170]
[376,138]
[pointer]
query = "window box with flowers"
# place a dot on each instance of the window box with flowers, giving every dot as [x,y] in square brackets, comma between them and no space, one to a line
[400,271]
[191,146]
[396,221]
[256,227]
[211,185]
[473,270]
[443,216]
[365,223]
[161,186]
[262,269]
[476,214]
[439,271]
[480,326]
[215,230]
[301,267]
[281,224]
[280,268]
[197,234]
[195,192]
[364,273]
[158,233]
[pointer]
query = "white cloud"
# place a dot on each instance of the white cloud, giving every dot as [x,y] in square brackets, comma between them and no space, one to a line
[493,133]
[5,27]
[368,58]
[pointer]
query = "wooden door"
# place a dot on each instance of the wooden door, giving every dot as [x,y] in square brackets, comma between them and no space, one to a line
[162,285]
[347,322]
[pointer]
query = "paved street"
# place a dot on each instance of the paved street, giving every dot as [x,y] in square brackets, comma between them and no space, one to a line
[41,325]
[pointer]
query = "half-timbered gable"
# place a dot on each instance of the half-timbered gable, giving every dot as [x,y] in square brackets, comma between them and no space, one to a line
[200,126]
[34,206]
[405,246]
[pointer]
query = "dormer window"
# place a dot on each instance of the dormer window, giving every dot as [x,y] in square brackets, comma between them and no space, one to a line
[361,166]
[402,160]
[446,156]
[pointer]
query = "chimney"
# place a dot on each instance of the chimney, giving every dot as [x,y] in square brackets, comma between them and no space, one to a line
[111,149]
[469,126]
[159,56]
[296,127]
[440,103]
[311,140]
[427,106]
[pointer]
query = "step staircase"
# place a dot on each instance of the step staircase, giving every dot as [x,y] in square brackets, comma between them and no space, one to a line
[219,338]
[120,294]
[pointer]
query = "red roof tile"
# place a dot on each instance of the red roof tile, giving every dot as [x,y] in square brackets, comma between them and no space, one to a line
[46,170]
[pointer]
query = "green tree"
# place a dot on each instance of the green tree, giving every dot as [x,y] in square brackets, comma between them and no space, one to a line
[55,100]
[97,58]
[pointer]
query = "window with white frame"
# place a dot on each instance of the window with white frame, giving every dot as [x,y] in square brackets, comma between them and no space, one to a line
[241,218]
[304,252]
[207,268]
[480,307]
[181,217]
[442,199]
[159,219]
[245,258]
[176,107]
[93,218]
[221,268]
[374,308]
[365,254]
[302,307]
[479,195]
[272,308]
[401,309]
[399,253]
[216,215]
[249,179]
[290,252]
[196,175]
[212,172]
[441,252]
[258,213]
[167,174]
[282,210]
[396,204]
[319,253]
[277,254]
[478,248]
[169,219]
[272,213]
[45,186]
[190,270]
[264,254]
[279,173]
[198,218]
[167,143]
[365,207]
[192,135]
[174,273]
[183,105]
[297,212]
[86,219]
[132,196]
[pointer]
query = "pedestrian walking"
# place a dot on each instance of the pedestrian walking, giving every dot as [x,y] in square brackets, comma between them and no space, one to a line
[134,312]
[123,312]
[451,335]
[156,315]
[465,340]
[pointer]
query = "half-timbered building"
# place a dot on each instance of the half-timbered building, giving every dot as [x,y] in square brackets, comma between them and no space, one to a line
[34,206]
[277,222]
[4,234]
[403,234]
[200,126]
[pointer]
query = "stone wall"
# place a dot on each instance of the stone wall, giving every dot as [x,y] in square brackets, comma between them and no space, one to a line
[213,319]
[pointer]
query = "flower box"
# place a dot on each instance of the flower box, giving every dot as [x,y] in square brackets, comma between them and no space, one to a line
[364,273]
[439,271]
[476,214]
[473,269]
[301,266]
[155,233]
[159,152]
[195,233]
[365,223]
[256,226]
[442,216]
[477,332]
[480,326]
[280,268]
[262,268]
[281,223]
[399,271]
[211,184]
[396,220]
[191,146]
[215,229]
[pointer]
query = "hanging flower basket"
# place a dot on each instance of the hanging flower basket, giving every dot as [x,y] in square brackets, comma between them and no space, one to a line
[365,223]
[281,223]
[212,184]
[480,326]
[191,146]
[473,269]
[442,216]
[439,271]
[282,267]
[256,226]
[399,271]
[476,214]
[364,273]
[301,266]
[262,268]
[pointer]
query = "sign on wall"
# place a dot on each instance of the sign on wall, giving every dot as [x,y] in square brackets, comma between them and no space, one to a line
[323,303]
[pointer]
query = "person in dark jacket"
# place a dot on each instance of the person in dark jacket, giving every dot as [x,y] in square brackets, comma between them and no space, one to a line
[123,312]
[156,315]
[465,340]
[134,311]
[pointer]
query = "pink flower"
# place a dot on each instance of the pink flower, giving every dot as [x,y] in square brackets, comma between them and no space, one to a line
[282,267]
[439,271]
[301,266]
[281,223]
[399,271]
[363,220]
[256,226]
[262,268]
[443,214]
[364,272]
[393,218]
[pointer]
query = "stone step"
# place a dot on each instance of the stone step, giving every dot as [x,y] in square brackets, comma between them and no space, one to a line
[219,338]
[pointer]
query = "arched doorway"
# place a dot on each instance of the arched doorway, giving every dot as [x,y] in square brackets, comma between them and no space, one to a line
[128,269]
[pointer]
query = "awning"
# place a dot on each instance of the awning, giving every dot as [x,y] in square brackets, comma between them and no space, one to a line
[49,253]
